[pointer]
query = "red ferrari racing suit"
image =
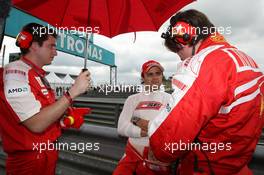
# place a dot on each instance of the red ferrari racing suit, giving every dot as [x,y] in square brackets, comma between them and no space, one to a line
[216,118]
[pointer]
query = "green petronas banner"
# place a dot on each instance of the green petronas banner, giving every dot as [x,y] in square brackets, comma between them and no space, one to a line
[69,41]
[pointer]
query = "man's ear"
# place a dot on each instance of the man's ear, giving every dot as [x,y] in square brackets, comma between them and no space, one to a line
[34,46]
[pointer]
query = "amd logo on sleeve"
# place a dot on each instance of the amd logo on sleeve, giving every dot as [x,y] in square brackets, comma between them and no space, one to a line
[17,91]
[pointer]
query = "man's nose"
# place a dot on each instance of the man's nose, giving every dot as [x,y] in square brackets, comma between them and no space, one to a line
[55,53]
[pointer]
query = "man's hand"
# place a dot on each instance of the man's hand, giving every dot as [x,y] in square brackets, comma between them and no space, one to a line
[82,83]
[141,123]
[143,133]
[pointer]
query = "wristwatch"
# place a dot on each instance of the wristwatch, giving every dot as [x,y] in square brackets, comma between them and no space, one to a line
[134,120]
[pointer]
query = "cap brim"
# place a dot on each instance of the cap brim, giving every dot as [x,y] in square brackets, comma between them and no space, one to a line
[155,65]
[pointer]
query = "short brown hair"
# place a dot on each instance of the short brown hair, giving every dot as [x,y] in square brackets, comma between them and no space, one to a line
[40,34]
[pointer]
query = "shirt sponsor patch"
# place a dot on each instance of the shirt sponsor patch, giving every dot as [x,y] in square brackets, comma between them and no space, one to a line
[154,105]
[13,74]
[168,107]
[217,38]
[17,91]
[14,71]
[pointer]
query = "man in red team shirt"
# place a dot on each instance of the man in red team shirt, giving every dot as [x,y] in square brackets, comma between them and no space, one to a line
[29,113]
[216,118]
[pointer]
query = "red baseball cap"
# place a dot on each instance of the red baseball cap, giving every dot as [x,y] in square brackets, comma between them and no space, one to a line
[148,65]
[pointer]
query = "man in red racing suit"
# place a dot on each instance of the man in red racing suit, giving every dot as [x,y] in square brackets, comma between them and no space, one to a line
[216,118]
[29,118]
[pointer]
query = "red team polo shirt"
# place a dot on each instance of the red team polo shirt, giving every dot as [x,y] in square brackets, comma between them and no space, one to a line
[24,91]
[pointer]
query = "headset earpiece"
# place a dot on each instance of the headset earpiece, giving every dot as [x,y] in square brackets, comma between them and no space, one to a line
[24,40]
[186,37]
